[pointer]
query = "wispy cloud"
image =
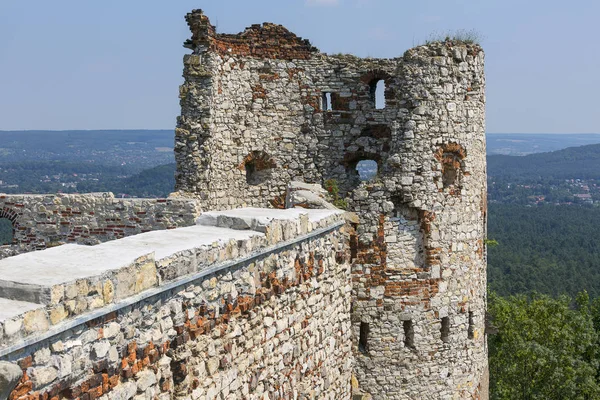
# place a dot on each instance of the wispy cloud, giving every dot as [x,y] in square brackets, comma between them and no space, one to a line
[322,3]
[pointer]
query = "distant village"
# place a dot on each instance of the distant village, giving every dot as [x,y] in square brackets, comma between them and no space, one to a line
[569,191]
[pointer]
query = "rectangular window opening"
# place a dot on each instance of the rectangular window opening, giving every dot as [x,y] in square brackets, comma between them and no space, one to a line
[363,345]
[409,334]
[445,329]
[471,331]
[326,104]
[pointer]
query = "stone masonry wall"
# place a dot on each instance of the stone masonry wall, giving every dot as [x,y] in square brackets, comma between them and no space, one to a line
[275,325]
[419,270]
[256,117]
[41,221]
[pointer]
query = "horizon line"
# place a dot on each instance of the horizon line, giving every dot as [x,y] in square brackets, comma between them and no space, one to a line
[172,129]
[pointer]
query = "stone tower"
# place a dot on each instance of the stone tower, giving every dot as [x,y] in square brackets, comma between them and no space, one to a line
[264,107]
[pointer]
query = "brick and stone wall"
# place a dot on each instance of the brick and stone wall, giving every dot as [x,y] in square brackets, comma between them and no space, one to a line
[261,315]
[255,117]
[420,272]
[41,221]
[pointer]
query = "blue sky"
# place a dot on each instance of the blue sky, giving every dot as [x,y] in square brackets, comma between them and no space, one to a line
[73,64]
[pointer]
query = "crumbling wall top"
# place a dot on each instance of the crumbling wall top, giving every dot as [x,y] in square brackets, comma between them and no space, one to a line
[263,41]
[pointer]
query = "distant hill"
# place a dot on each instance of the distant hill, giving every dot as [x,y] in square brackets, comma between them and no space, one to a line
[154,182]
[519,144]
[135,148]
[572,163]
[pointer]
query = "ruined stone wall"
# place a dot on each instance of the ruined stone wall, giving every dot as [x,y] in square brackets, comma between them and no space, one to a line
[255,118]
[262,314]
[41,221]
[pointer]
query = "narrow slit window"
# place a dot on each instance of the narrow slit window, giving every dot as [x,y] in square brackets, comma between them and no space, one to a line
[377,91]
[363,345]
[409,334]
[445,329]
[471,330]
[326,102]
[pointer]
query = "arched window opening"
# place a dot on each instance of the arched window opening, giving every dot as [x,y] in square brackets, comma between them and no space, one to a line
[6,231]
[377,91]
[366,169]
[258,166]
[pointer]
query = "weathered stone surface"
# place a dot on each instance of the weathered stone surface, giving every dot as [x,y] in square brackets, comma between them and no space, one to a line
[9,377]
[42,221]
[242,331]
[300,194]
[251,123]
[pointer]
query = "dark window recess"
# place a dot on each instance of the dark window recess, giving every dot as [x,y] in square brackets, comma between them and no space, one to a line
[471,331]
[377,93]
[258,166]
[326,104]
[409,334]
[445,329]
[363,345]
[6,231]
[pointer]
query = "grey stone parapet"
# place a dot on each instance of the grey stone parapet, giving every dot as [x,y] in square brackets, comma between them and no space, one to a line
[47,292]
[47,220]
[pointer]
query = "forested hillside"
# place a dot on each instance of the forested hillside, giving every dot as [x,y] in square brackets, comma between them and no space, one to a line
[154,182]
[549,249]
[544,214]
[571,163]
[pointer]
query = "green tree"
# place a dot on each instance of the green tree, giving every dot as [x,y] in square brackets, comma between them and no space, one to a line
[544,348]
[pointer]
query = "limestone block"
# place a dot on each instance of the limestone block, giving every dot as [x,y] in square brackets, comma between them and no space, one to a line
[10,374]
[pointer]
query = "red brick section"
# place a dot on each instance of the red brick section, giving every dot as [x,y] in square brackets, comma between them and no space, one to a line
[259,159]
[375,256]
[262,41]
[451,156]
[104,377]
[258,92]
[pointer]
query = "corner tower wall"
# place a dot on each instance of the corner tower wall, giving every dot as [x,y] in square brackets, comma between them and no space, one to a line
[420,271]
[254,118]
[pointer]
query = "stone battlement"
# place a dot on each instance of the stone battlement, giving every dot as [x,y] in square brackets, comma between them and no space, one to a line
[74,313]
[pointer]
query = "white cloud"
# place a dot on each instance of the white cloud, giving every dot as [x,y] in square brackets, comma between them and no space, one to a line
[318,3]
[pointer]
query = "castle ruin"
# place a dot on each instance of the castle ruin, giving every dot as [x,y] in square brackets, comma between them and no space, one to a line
[258,303]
